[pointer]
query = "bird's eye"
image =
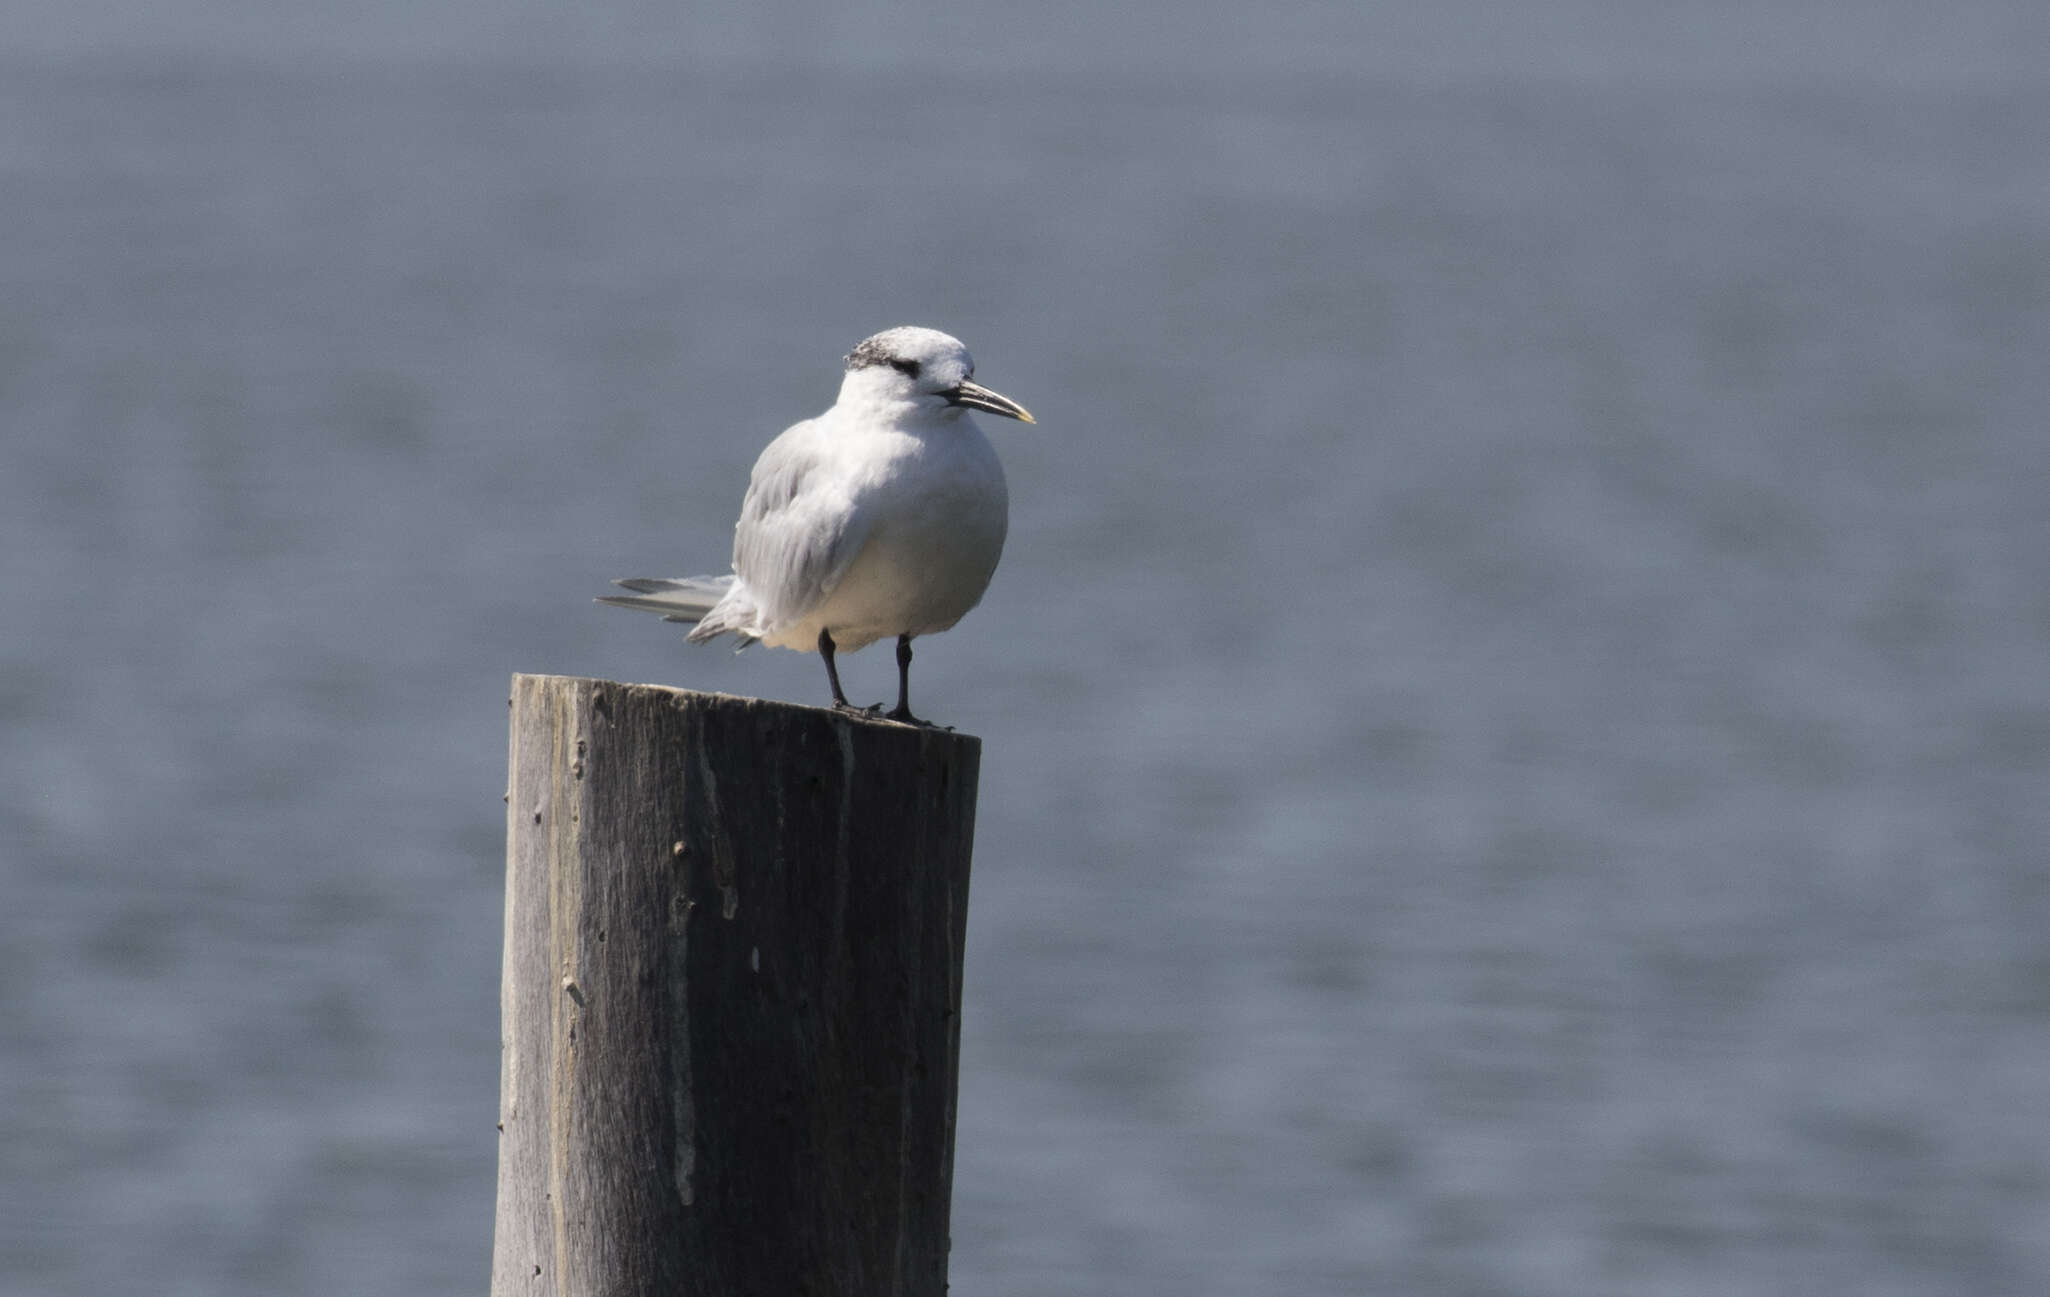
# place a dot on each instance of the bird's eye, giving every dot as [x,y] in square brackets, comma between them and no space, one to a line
[908,368]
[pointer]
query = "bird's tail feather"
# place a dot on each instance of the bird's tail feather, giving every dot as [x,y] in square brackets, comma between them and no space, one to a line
[686,599]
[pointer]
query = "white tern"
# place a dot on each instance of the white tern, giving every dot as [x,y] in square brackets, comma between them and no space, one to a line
[883,516]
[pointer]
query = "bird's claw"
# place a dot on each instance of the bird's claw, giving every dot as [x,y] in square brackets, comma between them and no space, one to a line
[901,715]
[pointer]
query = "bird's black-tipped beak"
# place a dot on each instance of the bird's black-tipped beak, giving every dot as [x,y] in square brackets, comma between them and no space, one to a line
[977,397]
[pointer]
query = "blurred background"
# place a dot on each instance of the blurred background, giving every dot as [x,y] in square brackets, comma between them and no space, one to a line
[1517,706]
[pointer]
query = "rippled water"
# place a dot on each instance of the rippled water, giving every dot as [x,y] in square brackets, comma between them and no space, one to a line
[1516,707]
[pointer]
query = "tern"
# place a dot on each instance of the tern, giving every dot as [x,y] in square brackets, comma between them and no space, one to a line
[883,516]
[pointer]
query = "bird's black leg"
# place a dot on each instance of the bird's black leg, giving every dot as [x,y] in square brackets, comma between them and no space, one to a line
[833,672]
[903,711]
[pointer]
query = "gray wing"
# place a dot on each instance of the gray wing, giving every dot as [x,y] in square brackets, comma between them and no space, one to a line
[800,526]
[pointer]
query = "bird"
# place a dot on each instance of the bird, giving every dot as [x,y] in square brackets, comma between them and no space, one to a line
[883,516]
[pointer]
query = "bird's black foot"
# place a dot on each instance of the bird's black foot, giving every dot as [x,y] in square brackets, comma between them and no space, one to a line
[903,716]
[901,713]
[840,703]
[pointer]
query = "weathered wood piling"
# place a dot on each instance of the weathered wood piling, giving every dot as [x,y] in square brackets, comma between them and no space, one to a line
[731,996]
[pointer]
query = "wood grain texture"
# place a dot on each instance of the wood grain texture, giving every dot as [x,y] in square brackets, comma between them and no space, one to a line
[731,995]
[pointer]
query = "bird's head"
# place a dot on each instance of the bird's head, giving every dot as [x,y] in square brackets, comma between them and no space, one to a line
[922,368]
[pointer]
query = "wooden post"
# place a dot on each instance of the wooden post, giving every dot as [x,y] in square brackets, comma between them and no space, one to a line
[731,996]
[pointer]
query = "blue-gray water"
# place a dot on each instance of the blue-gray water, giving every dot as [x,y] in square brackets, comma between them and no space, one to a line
[1517,707]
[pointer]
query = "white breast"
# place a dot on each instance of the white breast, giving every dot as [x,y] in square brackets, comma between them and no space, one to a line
[939,511]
